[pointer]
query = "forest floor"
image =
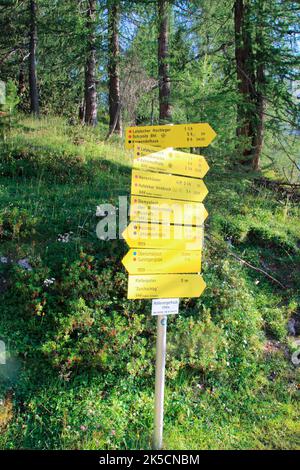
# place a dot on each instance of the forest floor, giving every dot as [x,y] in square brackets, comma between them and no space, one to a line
[80,357]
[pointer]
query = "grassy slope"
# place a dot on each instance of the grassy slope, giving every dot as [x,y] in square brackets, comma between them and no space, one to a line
[230,384]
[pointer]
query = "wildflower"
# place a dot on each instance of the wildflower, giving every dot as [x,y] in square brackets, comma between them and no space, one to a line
[4,260]
[65,238]
[83,428]
[48,282]
[25,264]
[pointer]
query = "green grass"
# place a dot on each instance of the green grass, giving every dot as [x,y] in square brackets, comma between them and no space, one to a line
[80,370]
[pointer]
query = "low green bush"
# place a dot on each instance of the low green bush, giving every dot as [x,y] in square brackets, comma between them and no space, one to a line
[16,224]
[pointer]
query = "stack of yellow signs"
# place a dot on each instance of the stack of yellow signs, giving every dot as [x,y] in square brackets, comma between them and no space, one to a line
[165,234]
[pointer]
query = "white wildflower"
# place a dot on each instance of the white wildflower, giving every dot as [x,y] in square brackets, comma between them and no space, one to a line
[64,238]
[49,282]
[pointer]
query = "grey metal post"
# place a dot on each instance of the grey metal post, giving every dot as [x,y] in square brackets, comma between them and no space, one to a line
[161,346]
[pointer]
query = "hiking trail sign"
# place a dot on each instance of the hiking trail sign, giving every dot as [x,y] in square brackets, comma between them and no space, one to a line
[170,161]
[147,183]
[161,286]
[159,261]
[166,211]
[165,234]
[178,135]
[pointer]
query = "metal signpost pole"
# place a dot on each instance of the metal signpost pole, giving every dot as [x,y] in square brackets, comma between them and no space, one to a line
[161,346]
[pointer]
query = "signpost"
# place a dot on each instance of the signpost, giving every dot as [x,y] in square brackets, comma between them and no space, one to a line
[165,307]
[164,286]
[158,261]
[165,235]
[171,161]
[179,135]
[166,211]
[144,183]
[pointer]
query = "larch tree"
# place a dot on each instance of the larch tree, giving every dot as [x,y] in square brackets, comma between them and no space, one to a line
[245,77]
[165,111]
[90,94]
[266,66]
[115,121]
[260,100]
[33,86]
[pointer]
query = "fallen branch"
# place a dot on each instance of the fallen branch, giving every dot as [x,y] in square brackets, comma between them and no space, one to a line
[285,189]
[257,269]
[249,265]
[268,182]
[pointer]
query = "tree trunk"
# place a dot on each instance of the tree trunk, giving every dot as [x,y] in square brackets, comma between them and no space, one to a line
[33,88]
[260,89]
[259,137]
[115,122]
[165,112]
[21,82]
[81,112]
[90,69]
[245,77]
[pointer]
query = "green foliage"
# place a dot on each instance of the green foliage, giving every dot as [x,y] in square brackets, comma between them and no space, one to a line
[81,356]
[228,378]
[7,109]
[16,224]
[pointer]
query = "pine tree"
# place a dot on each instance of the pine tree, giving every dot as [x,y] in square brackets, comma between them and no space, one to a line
[115,124]
[33,87]
[165,113]
[90,68]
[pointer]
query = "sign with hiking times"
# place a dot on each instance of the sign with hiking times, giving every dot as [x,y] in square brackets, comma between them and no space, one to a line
[146,183]
[162,261]
[178,135]
[167,211]
[161,286]
[167,236]
[170,161]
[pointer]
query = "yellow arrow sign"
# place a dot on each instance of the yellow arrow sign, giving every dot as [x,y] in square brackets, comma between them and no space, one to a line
[167,211]
[157,261]
[171,237]
[167,186]
[171,161]
[180,135]
[165,286]
[141,150]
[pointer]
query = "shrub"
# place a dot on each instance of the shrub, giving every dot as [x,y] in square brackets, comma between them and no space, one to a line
[16,223]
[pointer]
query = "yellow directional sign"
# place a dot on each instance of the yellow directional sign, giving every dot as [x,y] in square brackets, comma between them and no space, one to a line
[171,161]
[171,237]
[149,261]
[165,286]
[141,150]
[146,209]
[167,186]
[180,135]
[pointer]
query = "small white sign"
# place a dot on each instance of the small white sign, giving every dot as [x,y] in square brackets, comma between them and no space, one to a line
[165,306]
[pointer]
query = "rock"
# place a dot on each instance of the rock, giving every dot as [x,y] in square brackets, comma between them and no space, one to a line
[292,327]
